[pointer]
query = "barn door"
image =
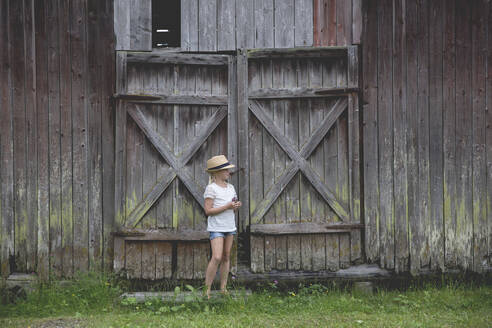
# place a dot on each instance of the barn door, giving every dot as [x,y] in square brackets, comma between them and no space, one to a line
[173,112]
[299,128]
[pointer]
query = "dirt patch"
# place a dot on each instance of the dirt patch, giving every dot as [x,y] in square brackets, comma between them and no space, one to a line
[60,323]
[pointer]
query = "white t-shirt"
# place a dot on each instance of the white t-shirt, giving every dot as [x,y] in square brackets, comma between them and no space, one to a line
[222,222]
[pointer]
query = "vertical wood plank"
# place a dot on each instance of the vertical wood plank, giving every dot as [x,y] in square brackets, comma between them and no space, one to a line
[207,25]
[42,138]
[264,20]
[449,135]
[6,149]
[423,131]
[318,21]
[291,191]
[279,167]
[31,138]
[107,67]
[189,25]
[400,140]
[332,252]
[268,144]
[122,24]
[133,259]
[370,130]
[354,177]
[330,35]
[79,120]
[119,254]
[54,139]
[245,22]
[243,118]
[436,235]
[141,25]
[479,55]
[95,136]
[149,162]
[305,194]
[120,164]
[303,23]
[66,140]
[489,134]
[16,49]
[385,135]
[256,184]
[344,23]
[226,15]
[163,260]
[284,24]
[411,134]
[356,21]
[148,260]
[464,219]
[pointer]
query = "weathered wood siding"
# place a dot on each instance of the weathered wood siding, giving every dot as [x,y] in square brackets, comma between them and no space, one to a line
[57,144]
[427,135]
[337,22]
[215,25]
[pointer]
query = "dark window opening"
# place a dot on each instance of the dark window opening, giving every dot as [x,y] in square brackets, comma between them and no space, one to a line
[166,23]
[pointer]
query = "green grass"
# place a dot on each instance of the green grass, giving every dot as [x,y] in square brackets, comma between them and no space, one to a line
[92,301]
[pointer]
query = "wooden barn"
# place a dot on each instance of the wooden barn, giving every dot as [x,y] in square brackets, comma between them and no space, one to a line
[361,131]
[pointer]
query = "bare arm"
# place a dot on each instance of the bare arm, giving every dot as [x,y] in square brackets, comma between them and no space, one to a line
[210,210]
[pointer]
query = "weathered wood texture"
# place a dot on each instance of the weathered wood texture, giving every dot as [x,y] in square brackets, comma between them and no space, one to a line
[57,143]
[215,25]
[337,22]
[133,24]
[300,164]
[162,148]
[426,132]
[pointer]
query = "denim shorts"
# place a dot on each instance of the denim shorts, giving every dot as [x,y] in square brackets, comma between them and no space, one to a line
[215,234]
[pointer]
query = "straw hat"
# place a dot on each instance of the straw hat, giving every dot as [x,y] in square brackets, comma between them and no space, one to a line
[218,163]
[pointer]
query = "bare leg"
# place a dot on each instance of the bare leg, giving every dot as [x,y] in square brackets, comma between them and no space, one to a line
[224,265]
[217,247]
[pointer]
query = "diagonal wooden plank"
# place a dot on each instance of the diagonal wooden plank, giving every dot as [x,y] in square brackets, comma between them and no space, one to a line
[190,183]
[206,131]
[166,153]
[325,126]
[315,180]
[153,136]
[324,191]
[257,109]
[152,196]
[275,191]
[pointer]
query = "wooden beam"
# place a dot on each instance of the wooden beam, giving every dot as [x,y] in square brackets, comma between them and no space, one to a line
[205,132]
[156,140]
[366,271]
[270,93]
[177,58]
[321,52]
[303,228]
[150,198]
[275,191]
[162,235]
[175,99]
[325,126]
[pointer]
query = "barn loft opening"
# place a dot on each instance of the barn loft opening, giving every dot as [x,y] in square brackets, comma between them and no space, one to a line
[166,23]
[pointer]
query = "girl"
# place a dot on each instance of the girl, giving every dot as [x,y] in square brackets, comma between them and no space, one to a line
[220,204]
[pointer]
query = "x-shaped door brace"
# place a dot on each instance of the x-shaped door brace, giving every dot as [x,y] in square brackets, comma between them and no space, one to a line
[299,160]
[176,163]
